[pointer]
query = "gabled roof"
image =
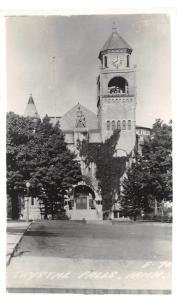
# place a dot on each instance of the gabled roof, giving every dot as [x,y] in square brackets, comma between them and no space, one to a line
[69,121]
[115,42]
[31,110]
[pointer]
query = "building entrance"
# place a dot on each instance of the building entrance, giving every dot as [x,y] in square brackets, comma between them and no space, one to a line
[81,202]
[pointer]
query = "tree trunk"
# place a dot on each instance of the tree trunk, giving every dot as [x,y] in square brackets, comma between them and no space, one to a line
[15,206]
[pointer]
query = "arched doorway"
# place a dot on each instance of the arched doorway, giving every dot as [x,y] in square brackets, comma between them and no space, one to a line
[84,197]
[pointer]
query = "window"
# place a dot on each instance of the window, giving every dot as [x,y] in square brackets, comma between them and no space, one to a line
[105,62]
[113,125]
[116,84]
[128,62]
[108,125]
[91,204]
[129,124]
[124,125]
[118,125]
[115,214]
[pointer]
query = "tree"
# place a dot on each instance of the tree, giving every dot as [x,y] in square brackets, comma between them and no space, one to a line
[135,197]
[39,154]
[149,181]
[109,168]
[19,132]
[157,152]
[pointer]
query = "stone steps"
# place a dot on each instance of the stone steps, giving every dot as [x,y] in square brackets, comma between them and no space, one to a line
[84,214]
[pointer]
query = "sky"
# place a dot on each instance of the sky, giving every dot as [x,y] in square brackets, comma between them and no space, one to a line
[75,42]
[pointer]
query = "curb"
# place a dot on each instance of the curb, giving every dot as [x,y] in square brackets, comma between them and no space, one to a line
[9,255]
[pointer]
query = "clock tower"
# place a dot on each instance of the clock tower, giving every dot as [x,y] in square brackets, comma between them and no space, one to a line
[116,92]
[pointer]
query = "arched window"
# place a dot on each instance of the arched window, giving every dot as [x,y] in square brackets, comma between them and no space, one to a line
[129,124]
[105,62]
[123,125]
[108,125]
[113,125]
[117,85]
[118,125]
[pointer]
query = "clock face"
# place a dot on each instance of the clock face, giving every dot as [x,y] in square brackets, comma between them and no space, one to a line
[117,61]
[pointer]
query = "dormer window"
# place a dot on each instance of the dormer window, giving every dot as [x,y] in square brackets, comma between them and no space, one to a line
[105,62]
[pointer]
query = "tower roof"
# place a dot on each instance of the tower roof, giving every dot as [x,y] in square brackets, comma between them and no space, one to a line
[115,42]
[31,110]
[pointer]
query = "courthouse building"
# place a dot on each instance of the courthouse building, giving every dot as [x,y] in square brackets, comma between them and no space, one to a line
[116,109]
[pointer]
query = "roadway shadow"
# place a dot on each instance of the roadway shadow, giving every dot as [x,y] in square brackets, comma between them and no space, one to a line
[43,233]
[15,230]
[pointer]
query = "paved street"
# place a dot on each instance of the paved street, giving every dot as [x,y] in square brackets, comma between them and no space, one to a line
[73,255]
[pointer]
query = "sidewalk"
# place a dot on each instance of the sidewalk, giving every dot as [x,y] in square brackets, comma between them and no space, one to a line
[14,233]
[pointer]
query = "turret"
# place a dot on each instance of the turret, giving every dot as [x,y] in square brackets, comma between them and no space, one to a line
[31,110]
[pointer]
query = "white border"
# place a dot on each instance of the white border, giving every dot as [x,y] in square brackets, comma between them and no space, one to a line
[76,7]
